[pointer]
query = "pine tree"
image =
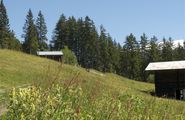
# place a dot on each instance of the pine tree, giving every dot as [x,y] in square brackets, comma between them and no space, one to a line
[30,35]
[154,52]
[4,27]
[90,37]
[42,31]
[60,35]
[7,37]
[167,52]
[110,57]
[71,32]
[131,59]
[144,55]
[4,21]
[14,42]
[104,53]
[119,59]
[179,53]
[115,56]
[80,42]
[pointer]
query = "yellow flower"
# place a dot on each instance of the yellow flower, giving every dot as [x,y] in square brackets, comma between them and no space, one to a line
[22,116]
[33,106]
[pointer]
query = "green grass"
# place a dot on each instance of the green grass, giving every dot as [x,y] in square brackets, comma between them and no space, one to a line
[19,70]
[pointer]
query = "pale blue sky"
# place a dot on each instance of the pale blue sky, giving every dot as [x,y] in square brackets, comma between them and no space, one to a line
[163,18]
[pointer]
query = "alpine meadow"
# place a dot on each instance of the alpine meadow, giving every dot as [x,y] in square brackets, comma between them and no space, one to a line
[82,72]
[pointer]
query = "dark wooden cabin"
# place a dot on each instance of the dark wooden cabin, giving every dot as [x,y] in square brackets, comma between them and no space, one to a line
[169,79]
[54,55]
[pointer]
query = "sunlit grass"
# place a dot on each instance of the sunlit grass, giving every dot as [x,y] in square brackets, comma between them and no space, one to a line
[21,70]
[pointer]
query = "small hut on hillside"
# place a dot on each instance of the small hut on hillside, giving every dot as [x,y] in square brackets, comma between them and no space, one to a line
[169,78]
[54,55]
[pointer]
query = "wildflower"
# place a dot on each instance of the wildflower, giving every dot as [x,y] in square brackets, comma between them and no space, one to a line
[33,106]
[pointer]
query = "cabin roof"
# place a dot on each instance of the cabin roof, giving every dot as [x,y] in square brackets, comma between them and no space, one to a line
[169,65]
[40,53]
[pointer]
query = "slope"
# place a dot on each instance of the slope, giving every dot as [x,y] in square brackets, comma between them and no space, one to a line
[19,70]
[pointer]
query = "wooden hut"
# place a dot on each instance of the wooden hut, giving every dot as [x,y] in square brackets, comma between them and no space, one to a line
[169,78]
[55,55]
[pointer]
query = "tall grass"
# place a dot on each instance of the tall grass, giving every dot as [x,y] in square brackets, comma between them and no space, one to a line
[44,89]
[69,99]
[71,102]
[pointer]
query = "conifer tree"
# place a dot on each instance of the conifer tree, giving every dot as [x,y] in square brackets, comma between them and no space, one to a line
[167,52]
[144,55]
[7,37]
[110,57]
[71,32]
[80,37]
[118,59]
[179,53]
[60,34]
[4,21]
[104,53]
[132,58]
[90,39]
[42,31]
[30,35]
[14,42]
[114,56]
[4,27]
[154,53]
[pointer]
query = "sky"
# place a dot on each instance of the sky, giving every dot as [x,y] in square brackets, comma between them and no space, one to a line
[162,18]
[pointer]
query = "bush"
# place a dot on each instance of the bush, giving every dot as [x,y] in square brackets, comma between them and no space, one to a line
[151,78]
[69,56]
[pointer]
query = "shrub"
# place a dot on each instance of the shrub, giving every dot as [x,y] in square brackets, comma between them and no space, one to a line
[69,56]
[151,78]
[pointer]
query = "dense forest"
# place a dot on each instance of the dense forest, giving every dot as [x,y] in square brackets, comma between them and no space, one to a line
[94,47]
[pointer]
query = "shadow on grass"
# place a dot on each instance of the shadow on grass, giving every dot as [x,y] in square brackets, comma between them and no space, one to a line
[148,92]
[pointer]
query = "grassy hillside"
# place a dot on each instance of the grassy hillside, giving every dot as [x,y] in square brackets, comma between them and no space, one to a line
[20,70]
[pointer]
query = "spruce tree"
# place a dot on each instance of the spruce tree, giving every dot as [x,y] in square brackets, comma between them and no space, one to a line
[115,56]
[104,52]
[110,57]
[80,37]
[154,52]
[179,53]
[30,35]
[14,42]
[4,21]
[144,55]
[167,51]
[7,37]
[42,31]
[85,42]
[118,59]
[71,32]
[132,60]
[60,34]
[4,27]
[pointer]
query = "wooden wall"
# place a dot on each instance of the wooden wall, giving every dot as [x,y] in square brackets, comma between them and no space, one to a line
[168,81]
[53,57]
